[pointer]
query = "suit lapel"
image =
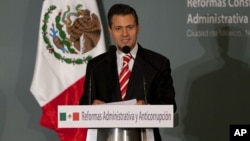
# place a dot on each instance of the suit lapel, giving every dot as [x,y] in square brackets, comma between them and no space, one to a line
[135,86]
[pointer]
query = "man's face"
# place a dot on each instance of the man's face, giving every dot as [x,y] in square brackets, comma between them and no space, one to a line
[124,30]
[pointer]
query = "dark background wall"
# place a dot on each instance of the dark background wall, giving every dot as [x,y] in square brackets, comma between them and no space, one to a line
[211,72]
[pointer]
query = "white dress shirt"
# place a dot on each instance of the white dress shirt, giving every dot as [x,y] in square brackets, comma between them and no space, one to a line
[120,55]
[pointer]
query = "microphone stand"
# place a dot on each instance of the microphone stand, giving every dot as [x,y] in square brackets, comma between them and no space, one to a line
[126,50]
[112,49]
[144,88]
[90,90]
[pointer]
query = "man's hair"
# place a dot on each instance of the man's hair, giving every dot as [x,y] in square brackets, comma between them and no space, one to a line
[121,9]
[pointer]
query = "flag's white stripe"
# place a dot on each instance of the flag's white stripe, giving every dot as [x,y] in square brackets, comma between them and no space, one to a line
[51,76]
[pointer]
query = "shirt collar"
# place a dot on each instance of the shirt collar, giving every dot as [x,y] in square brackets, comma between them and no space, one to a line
[133,52]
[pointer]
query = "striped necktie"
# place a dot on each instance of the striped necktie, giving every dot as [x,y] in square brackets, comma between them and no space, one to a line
[124,75]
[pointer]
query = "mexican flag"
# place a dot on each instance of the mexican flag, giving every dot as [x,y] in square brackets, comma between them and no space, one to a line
[70,34]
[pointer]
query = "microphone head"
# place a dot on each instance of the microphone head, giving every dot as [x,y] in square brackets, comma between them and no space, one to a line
[112,48]
[126,49]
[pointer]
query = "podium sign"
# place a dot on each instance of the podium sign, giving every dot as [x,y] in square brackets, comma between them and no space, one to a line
[115,116]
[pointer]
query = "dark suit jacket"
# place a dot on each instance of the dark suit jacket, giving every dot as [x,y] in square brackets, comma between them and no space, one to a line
[149,67]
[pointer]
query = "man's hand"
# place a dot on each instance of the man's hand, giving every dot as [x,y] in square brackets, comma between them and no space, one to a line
[97,102]
[140,102]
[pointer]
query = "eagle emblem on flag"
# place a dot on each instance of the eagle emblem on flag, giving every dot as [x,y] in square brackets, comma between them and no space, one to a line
[70,33]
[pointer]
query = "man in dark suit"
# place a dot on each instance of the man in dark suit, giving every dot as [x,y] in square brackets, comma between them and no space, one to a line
[150,81]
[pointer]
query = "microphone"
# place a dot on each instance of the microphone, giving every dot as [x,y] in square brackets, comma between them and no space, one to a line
[111,49]
[126,50]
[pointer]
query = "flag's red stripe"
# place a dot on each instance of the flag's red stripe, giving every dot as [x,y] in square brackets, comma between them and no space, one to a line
[70,96]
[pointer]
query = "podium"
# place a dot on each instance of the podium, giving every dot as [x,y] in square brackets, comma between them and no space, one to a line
[121,134]
[116,122]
